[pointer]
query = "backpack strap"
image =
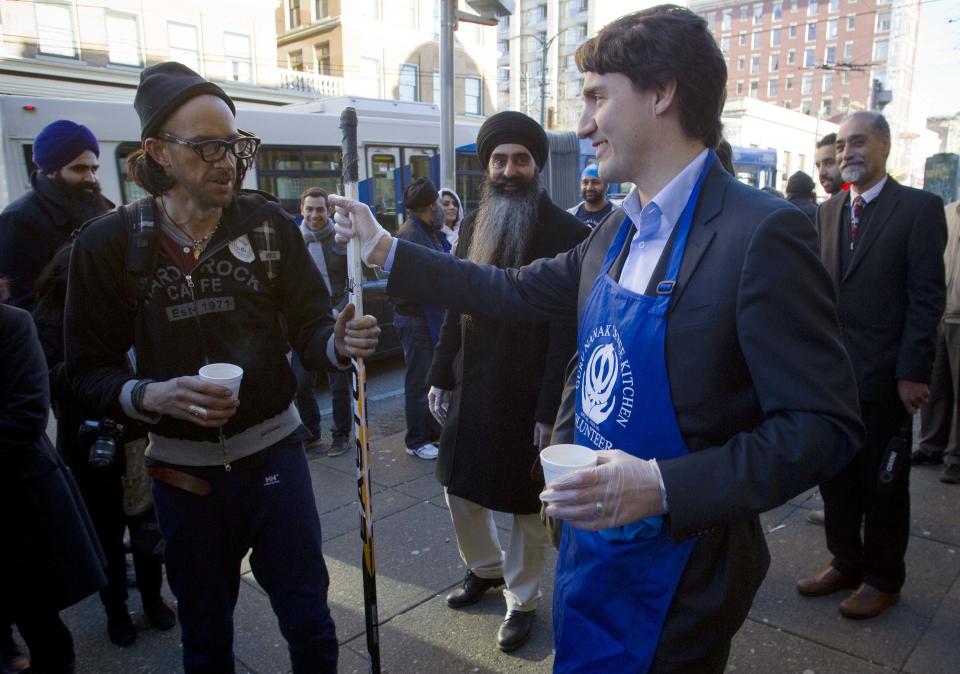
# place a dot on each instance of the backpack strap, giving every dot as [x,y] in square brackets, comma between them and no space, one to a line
[142,247]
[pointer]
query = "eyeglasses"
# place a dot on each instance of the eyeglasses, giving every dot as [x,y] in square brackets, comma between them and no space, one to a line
[212,151]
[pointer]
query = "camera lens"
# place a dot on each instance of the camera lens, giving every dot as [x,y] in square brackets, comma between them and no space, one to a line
[103,451]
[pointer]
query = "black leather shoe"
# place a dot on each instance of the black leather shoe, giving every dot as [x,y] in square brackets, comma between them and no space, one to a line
[159,614]
[515,630]
[471,590]
[920,458]
[120,628]
[951,474]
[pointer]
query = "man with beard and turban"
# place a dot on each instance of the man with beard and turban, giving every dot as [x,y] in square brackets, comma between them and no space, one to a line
[417,324]
[224,277]
[65,194]
[594,207]
[496,385]
[883,245]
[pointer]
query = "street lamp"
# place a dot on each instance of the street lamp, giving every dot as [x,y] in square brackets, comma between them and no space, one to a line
[544,49]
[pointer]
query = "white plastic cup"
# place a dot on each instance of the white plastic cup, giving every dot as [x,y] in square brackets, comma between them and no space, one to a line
[558,460]
[223,374]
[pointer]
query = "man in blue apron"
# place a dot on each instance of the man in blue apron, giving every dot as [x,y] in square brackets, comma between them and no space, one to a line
[711,378]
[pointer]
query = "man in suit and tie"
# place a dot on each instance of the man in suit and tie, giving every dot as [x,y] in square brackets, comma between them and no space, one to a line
[711,378]
[883,245]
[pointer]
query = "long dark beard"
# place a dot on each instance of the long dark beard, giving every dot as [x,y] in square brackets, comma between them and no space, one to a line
[505,223]
[82,201]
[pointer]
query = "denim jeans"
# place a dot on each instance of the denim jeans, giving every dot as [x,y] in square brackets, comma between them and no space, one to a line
[418,354]
[306,399]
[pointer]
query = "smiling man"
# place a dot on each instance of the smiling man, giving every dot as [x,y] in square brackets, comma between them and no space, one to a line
[828,168]
[594,207]
[883,245]
[66,193]
[203,272]
[711,378]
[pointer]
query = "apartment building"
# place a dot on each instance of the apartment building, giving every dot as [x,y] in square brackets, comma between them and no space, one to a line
[385,49]
[97,48]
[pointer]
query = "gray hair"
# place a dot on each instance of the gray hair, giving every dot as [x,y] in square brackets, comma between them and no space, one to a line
[876,121]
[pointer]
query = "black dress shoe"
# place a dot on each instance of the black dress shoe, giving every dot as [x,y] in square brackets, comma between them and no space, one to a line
[471,590]
[120,628]
[951,474]
[158,613]
[920,458]
[515,630]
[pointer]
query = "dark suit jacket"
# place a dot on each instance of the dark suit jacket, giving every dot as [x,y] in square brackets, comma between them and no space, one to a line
[762,387]
[891,297]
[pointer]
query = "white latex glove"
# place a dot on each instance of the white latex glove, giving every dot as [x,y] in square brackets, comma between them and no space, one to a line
[541,435]
[621,489]
[438,400]
[354,219]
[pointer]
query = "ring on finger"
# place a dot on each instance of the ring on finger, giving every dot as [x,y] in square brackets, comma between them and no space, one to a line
[198,411]
[598,507]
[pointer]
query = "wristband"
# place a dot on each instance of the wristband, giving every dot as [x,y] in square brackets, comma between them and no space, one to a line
[137,394]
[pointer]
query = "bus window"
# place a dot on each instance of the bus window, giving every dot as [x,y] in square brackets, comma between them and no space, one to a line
[321,160]
[383,170]
[285,172]
[28,159]
[129,189]
[419,167]
[470,175]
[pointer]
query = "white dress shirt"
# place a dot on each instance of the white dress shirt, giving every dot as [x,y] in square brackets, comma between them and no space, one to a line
[867,196]
[655,222]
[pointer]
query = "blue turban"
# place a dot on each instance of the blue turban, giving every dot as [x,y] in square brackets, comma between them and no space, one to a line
[60,143]
[590,172]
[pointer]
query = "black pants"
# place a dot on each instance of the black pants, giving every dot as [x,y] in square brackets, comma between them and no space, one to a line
[714,662]
[851,499]
[103,495]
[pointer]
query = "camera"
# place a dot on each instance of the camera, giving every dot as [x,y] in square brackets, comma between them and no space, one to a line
[104,437]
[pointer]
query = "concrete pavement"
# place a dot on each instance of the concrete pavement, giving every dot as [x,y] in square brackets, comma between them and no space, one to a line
[418,563]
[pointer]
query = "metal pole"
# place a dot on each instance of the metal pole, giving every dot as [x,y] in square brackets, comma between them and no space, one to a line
[543,83]
[448,23]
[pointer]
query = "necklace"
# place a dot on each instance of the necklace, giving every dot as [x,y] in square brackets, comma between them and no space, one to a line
[194,246]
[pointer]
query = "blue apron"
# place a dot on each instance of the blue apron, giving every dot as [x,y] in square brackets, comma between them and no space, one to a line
[614,587]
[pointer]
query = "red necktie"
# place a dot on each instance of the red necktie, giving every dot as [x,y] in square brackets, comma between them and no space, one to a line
[855,219]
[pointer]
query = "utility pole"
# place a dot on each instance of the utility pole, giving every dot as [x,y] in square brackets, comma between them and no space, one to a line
[448,24]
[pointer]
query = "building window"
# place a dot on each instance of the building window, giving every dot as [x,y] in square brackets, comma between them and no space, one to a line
[772,89]
[321,9]
[55,32]
[775,37]
[123,39]
[758,14]
[370,76]
[535,14]
[755,89]
[834,6]
[321,52]
[726,19]
[883,22]
[295,60]
[881,49]
[755,43]
[754,64]
[710,18]
[575,7]
[830,55]
[811,32]
[806,83]
[574,34]
[788,104]
[403,13]
[793,31]
[793,6]
[827,82]
[788,85]
[472,96]
[183,42]
[831,29]
[744,11]
[774,62]
[239,57]
[370,9]
[741,63]
[293,14]
[845,77]
[809,58]
[805,107]
[848,49]
[725,44]
[777,10]
[409,87]
[573,88]
[791,56]
[743,39]
[740,88]
[844,104]
[812,8]
[851,21]
[826,107]
[571,63]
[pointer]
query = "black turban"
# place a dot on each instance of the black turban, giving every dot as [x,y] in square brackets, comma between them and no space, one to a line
[421,192]
[164,87]
[510,126]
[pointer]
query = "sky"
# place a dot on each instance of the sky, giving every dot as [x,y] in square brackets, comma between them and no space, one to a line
[937,76]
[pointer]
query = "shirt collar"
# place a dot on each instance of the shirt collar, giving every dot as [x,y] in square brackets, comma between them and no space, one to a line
[870,194]
[672,199]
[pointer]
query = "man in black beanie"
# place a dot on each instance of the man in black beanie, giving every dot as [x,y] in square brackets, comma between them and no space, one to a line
[222,270]
[65,194]
[800,193]
[418,325]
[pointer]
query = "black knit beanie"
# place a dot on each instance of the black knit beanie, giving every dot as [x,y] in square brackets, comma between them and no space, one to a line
[166,86]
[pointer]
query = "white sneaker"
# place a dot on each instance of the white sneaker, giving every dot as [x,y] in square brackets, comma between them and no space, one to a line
[427,452]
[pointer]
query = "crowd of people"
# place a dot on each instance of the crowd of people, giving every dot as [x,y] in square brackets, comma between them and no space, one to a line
[721,349]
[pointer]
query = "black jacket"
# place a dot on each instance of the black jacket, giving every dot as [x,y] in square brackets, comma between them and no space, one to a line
[32,229]
[762,387]
[423,235]
[244,309]
[507,373]
[805,204]
[891,297]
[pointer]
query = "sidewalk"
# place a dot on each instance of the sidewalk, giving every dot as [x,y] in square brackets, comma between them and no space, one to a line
[418,563]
